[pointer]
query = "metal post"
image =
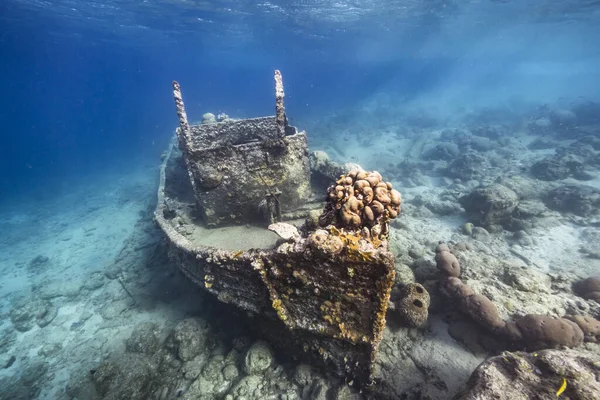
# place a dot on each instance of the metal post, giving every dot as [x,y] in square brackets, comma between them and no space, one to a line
[183,134]
[279,107]
[184,126]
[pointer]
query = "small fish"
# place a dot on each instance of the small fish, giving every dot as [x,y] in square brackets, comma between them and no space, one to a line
[562,388]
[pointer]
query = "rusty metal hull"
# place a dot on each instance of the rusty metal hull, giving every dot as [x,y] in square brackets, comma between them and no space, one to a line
[327,306]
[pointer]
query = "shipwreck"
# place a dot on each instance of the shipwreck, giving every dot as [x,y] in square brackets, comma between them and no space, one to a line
[247,218]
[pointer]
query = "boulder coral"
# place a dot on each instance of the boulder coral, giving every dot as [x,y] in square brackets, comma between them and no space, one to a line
[490,205]
[481,309]
[531,331]
[446,261]
[208,118]
[588,288]
[544,332]
[589,326]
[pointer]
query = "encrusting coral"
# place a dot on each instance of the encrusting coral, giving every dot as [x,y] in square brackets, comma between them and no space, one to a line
[325,243]
[532,331]
[355,221]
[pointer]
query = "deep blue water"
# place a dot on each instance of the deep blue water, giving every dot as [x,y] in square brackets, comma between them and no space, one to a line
[86,85]
[86,109]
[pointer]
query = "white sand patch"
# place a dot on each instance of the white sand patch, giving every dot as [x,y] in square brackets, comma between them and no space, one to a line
[79,232]
[554,249]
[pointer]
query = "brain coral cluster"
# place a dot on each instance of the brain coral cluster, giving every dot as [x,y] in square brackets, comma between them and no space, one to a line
[533,331]
[361,200]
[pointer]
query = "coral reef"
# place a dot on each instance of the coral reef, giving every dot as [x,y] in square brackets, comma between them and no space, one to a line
[544,332]
[324,170]
[589,326]
[546,374]
[26,313]
[531,331]
[481,309]
[28,385]
[490,205]
[192,363]
[583,201]
[442,151]
[258,358]
[469,165]
[556,167]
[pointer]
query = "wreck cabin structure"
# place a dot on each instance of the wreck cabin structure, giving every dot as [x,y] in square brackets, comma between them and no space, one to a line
[319,294]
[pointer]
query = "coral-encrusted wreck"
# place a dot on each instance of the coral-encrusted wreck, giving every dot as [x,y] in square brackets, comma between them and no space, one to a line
[319,278]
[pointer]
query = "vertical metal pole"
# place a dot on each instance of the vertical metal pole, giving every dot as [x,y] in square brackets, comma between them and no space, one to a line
[279,107]
[184,126]
[183,134]
[277,206]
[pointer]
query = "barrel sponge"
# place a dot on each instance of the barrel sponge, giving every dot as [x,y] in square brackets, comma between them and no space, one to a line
[544,332]
[447,262]
[588,288]
[589,326]
[413,305]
